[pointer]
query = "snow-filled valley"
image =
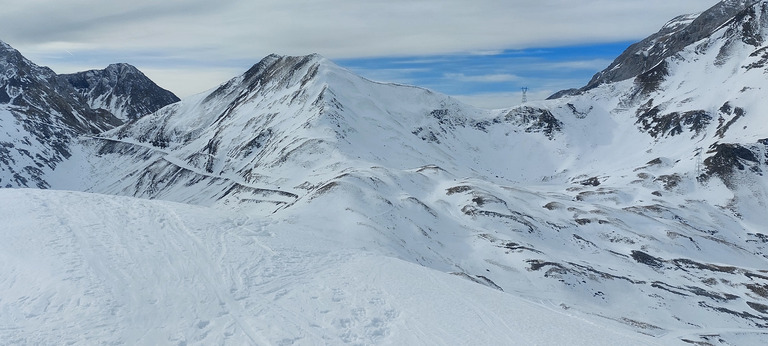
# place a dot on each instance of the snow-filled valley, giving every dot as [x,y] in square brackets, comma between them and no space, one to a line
[299,203]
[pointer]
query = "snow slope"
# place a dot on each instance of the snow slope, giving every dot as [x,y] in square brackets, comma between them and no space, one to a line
[92,269]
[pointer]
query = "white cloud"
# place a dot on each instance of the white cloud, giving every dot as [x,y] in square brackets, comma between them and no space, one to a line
[335,28]
[592,65]
[390,75]
[185,82]
[487,52]
[488,78]
[212,34]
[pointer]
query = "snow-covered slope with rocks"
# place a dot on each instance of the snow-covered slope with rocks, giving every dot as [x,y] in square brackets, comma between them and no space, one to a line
[93,269]
[698,112]
[638,204]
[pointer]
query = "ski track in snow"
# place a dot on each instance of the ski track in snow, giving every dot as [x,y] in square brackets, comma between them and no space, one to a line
[81,268]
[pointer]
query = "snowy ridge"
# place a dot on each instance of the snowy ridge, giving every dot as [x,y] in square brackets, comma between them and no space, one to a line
[679,21]
[683,109]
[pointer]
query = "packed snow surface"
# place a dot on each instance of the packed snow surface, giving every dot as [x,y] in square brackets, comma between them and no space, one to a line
[81,268]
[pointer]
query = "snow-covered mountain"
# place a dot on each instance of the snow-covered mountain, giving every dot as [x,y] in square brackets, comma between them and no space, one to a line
[646,190]
[637,203]
[121,89]
[674,37]
[41,113]
[704,99]
[292,124]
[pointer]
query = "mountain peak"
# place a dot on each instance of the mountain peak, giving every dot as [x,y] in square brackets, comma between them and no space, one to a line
[275,71]
[286,63]
[122,67]
[15,60]
[40,115]
[122,89]
[673,37]
[4,46]
[6,49]
[312,56]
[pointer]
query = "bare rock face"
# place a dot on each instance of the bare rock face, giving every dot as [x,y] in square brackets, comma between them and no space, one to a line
[122,90]
[38,92]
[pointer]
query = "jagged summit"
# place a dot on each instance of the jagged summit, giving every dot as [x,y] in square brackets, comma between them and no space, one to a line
[38,93]
[275,64]
[670,40]
[122,66]
[13,63]
[279,71]
[5,48]
[122,90]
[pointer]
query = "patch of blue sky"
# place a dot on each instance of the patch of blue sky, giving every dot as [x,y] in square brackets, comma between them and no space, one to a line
[542,70]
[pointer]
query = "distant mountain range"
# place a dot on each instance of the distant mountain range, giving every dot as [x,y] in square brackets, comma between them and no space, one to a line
[639,199]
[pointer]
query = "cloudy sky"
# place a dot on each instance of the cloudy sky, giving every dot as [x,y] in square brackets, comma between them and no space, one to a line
[482,51]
